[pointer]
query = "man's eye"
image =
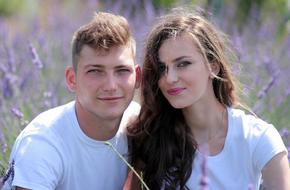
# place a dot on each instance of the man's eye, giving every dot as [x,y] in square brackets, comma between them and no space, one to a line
[95,71]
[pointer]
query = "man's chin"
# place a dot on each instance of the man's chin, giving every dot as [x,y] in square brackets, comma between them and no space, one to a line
[113,115]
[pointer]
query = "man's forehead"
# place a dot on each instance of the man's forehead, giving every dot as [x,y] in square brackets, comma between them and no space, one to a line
[104,65]
[106,51]
[116,58]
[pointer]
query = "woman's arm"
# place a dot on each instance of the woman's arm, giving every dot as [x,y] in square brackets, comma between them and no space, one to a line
[132,182]
[276,173]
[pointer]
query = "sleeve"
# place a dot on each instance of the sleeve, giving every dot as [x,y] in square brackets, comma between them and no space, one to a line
[269,145]
[35,164]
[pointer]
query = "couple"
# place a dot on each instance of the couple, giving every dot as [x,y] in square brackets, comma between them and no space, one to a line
[187,113]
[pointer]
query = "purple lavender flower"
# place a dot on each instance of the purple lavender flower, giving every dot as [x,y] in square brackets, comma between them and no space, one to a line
[268,63]
[267,87]
[250,187]
[284,133]
[35,58]
[3,142]
[24,80]
[16,112]
[204,180]
[149,10]
[10,61]
[48,99]
[7,88]
[10,173]
[7,85]
[203,183]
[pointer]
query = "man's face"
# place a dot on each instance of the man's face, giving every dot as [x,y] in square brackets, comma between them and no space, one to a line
[105,82]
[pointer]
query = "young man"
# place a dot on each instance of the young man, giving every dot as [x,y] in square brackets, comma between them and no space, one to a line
[64,148]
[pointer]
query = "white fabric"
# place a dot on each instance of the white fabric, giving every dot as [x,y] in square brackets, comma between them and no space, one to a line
[250,143]
[52,152]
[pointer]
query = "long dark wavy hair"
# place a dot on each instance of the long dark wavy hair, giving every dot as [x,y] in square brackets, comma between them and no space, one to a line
[162,144]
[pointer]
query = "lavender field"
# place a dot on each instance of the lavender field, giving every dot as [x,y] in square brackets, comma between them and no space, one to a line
[35,49]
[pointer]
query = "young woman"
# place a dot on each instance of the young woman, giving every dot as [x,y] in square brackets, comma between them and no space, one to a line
[189,132]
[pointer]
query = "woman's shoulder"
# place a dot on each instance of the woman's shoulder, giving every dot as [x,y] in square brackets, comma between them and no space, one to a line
[248,121]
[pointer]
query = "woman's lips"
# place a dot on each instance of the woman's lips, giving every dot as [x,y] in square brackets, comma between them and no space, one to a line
[175,91]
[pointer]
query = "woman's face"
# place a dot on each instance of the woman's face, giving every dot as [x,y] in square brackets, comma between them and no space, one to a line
[185,80]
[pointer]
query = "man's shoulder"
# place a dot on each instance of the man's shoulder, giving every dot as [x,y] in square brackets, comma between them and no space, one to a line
[43,135]
[133,108]
[132,111]
[56,112]
[48,120]
[130,114]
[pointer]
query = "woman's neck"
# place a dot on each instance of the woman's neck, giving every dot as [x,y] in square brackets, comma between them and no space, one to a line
[208,124]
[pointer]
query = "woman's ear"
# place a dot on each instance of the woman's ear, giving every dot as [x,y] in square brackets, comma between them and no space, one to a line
[70,76]
[138,76]
[215,69]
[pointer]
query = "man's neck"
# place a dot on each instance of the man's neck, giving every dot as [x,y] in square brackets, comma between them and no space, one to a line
[101,131]
[95,127]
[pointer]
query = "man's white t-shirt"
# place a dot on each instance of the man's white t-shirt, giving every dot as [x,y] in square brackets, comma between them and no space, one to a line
[52,152]
[250,143]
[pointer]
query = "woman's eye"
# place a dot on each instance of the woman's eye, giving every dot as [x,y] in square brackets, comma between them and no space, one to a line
[183,64]
[123,70]
[161,68]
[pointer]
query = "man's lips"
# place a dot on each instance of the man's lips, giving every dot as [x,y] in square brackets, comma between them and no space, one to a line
[110,98]
[175,91]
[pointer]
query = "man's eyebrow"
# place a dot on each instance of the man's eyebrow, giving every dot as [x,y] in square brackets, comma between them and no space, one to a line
[94,65]
[103,66]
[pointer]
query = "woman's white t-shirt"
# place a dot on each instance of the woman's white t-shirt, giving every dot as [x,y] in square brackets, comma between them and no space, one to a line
[250,143]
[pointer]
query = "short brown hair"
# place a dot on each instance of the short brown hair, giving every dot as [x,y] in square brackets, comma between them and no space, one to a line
[103,32]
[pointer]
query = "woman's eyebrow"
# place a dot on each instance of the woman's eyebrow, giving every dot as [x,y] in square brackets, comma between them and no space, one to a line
[180,58]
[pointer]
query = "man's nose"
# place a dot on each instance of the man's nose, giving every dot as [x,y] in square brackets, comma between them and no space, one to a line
[110,83]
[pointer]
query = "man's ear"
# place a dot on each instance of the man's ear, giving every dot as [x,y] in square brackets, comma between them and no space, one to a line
[70,76]
[138,76]
[215,69]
